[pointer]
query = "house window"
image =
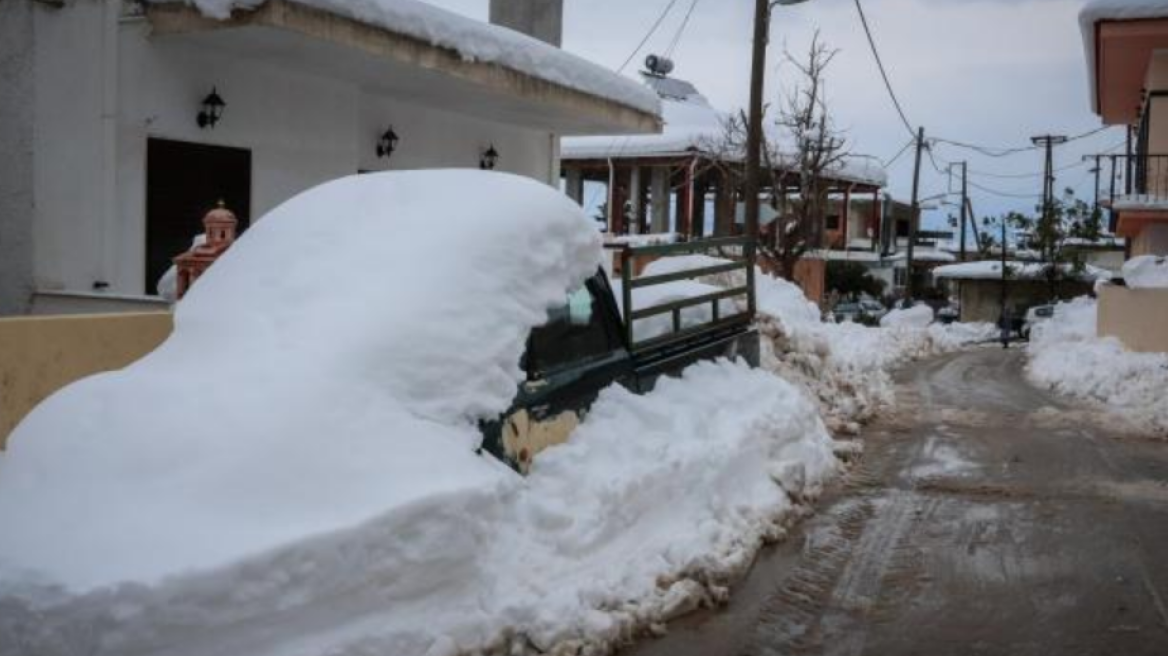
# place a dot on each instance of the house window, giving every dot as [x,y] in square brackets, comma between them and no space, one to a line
[899,277]
[184,181]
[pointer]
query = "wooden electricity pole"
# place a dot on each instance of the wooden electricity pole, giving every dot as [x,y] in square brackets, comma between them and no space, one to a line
[914,216]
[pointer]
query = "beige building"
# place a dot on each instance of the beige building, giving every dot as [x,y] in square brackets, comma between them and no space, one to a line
[1127,58]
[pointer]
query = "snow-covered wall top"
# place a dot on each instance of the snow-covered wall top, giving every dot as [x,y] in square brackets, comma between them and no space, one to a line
[1097,11]
[692,123]
[473,40]
[992,270]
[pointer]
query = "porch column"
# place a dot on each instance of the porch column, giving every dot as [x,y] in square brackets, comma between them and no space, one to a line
[637,200]
[874,220]
[724,206]
[686,201]
[846,215]
[575,184]
[659,195]
[618,196]
[701,189]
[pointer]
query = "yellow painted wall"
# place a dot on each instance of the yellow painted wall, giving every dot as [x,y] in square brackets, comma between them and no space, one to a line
[40,355]
[1137,317]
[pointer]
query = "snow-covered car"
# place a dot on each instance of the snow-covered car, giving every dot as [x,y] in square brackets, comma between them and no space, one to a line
[1034,316]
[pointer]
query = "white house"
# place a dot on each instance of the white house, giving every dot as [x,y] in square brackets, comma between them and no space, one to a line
[114,151]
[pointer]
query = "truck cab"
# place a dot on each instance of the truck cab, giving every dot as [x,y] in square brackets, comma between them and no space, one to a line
[654,325]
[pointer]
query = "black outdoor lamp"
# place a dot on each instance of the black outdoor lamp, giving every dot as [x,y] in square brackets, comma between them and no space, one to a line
[212,110]
[387,143]
[489,159]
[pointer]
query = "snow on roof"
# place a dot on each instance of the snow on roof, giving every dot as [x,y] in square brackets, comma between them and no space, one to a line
[293,399]
[992,270]
[1098,11]
[473,40]
[933,256]
[692,123]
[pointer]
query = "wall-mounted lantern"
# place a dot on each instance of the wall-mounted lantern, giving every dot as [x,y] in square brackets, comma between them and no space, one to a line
[212,109]
[387,143]
[489,159]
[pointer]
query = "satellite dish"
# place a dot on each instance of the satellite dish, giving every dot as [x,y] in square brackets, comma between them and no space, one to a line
[658,65]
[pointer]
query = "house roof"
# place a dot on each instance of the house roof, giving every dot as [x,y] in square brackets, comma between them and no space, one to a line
[1098,12]
[692,123]
[475,51]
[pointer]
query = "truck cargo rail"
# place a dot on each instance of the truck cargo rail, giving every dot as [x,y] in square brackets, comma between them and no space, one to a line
[739,255]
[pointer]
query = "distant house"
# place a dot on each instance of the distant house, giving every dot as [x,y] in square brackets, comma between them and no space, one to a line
[123,122]
[679,181]
[984,292]
[1127,60]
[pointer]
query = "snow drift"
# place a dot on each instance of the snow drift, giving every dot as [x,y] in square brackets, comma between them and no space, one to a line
[1067,356]
[1146,272]
[213,447]
[294,470]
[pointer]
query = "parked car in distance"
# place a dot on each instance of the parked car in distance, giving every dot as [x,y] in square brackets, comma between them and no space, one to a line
[874,309]
[1035,316]
[867,312]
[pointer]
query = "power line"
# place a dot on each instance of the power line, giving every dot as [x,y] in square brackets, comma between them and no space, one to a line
[648,35]
[681,30]
[901,153]
[883,71]
[1004,194]
[997,152]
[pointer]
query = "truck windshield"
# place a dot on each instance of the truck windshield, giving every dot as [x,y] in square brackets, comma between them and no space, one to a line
[575,333]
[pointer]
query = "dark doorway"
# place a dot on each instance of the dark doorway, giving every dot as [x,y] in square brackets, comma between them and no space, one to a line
[183,182]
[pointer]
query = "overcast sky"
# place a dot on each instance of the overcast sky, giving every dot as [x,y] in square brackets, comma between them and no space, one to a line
[991,72]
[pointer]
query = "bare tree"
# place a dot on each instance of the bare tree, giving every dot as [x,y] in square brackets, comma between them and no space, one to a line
[797,158]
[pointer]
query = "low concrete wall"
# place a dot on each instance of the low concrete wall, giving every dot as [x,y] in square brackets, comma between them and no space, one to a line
[40,355]
[981,300]
[1137,317]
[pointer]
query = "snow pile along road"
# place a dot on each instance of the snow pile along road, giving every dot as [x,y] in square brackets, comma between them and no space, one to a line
[294,470]
[847,368]
[1067,356]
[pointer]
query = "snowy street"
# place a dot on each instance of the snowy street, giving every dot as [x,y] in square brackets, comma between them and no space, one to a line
[987,517]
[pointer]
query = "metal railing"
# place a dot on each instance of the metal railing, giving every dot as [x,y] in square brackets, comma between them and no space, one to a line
[744,248]
[1131,180]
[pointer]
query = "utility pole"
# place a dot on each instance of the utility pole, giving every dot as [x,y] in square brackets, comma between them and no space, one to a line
[762,22]
[1048,142]
[964,202]
[1004,320]
[915,216]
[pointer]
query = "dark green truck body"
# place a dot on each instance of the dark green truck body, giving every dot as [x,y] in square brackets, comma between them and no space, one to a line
[589,344]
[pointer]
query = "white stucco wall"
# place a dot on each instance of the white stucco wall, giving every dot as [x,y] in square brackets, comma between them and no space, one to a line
[104,86]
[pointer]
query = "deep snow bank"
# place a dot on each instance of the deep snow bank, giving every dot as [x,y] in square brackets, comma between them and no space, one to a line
[1067,356]
[654,505]
[848,367]
[294,400]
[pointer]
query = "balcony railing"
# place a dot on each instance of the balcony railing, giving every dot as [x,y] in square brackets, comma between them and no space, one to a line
[1132,181]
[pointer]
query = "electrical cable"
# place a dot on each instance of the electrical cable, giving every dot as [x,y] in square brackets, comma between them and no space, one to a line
[681,30]
[649,35]
[883,71]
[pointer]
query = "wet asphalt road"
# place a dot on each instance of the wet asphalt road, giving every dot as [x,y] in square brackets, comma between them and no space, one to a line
[986,517]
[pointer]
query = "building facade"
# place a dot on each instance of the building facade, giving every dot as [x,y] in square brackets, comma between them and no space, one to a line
[117,144]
